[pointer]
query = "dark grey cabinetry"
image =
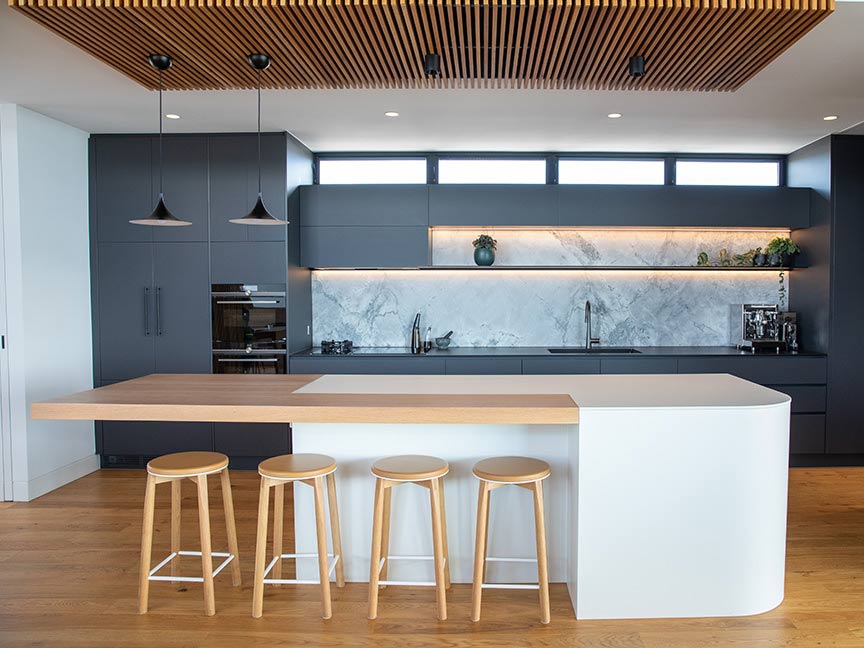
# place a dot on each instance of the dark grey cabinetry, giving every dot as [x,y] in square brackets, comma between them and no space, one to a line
[365,205]
[151,286]
[125,345]
[152,438]
[358,365]
[676,206]
[559,365]
[252,439]
[122,188]
[364,247]
[153,309]
[638,365]
[233,161]
[184,182]
[466,205]
[479,366]
[765,370]
[181,308]
[364,226]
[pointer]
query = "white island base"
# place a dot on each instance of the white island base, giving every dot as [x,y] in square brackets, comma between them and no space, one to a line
[668,499]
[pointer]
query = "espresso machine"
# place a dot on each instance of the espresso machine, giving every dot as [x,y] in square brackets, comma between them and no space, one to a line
[761,329]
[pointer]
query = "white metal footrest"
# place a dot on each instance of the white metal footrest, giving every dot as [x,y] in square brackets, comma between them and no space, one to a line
[520,586]
[189,579]
[333,559]
[415,583]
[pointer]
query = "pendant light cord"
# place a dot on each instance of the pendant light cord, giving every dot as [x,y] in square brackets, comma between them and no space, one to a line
[160,133]
[259,132]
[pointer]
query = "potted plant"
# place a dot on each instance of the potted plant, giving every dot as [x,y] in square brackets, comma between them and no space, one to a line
[484,250]
[759,259]
[781,252]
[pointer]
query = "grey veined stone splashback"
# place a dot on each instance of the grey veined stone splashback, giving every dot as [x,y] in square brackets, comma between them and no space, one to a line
[546,307]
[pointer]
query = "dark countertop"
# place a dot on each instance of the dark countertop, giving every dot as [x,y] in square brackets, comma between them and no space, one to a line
[467,352]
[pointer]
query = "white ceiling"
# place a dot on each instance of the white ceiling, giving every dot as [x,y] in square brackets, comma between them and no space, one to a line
[777,112]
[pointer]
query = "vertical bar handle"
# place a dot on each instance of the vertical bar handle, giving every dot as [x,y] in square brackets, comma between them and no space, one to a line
[158,310]
[146,310]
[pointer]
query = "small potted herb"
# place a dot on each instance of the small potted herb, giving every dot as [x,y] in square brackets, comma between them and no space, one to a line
[484,250]
[781,252]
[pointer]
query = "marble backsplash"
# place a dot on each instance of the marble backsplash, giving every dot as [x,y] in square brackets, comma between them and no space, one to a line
[546,307]
[537,307]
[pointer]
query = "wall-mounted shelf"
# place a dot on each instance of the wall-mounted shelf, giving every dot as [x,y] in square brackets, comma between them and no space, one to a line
[560,267]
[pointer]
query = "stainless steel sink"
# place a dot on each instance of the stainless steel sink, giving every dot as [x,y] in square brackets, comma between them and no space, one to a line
[583,350]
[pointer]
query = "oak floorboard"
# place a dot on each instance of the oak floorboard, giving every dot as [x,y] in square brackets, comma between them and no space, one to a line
[68,568]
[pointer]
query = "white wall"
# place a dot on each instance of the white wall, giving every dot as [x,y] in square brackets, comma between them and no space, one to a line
[46,236]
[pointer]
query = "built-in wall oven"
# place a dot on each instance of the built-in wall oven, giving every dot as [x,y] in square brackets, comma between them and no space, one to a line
[249,328]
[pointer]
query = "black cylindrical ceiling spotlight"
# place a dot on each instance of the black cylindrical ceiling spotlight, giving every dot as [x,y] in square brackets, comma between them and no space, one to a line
[160,215]
[432,65]
[259,214]
[637,66]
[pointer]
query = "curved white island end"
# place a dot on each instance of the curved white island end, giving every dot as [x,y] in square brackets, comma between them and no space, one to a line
[668,499]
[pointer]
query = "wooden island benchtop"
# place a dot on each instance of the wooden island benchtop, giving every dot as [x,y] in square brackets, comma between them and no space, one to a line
[273,399]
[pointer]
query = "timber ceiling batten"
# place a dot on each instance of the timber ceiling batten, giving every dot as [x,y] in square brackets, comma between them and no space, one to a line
[538,44]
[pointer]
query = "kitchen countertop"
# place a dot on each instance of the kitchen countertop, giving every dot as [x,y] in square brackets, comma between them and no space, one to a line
[460,352]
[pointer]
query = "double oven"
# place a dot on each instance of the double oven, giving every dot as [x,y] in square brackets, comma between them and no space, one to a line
[249,329]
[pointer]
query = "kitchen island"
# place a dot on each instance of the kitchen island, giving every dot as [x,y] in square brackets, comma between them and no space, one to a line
[667,497]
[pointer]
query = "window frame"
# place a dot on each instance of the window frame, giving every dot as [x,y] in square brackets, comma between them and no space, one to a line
[552,160]
[316,171]
[780,160]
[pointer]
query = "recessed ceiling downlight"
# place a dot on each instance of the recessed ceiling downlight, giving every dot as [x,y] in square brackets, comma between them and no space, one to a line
[391,113]
[829,118]
[614,115]
[172,116]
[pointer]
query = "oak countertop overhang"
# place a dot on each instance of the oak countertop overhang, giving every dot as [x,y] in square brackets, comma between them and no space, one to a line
[275,399]
[492,399]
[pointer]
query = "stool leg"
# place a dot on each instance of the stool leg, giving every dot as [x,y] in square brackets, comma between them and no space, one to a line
[480,549]
[385,535]
[335,530]
[542,571]
[176,498]
[146,544]
[260,549]
[323,563]
[278,531]
[377,524]
[231,527]
[438,547]
[444,536]
[206,556]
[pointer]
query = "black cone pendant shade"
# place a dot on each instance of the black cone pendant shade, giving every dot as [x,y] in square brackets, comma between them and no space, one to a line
[259,214]
[160,216]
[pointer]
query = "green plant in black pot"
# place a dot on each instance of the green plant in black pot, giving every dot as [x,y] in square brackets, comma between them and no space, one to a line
[781,252]
[484,250]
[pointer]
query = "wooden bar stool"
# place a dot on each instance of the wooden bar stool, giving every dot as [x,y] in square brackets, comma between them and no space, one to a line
[426,472]
[309,469]
[174,468]
[525,473]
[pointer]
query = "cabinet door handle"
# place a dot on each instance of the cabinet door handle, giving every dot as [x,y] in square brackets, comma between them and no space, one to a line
[158,310]
[146,311]
[247,360]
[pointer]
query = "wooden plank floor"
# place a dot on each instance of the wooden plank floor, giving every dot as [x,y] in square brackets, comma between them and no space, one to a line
[68,566]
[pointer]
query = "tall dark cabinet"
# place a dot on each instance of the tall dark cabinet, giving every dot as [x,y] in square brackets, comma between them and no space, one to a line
[151,286]
[828,291]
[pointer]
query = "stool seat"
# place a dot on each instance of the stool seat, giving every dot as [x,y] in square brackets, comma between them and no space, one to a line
[410,468]
[512,470]
[297,466]
[187,464]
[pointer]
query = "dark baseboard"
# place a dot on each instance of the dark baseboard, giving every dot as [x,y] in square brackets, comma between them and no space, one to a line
[825,460]
[140,462]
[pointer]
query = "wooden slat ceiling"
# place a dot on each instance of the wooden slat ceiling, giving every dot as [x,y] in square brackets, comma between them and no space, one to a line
[569,44]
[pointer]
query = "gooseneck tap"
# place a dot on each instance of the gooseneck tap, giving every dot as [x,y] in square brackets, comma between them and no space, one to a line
[589,341]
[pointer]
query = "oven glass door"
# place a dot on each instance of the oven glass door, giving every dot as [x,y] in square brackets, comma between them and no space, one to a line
[263,363]
[249,320]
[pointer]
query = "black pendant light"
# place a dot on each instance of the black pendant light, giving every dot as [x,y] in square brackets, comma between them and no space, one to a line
[160,217]
[259,214]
